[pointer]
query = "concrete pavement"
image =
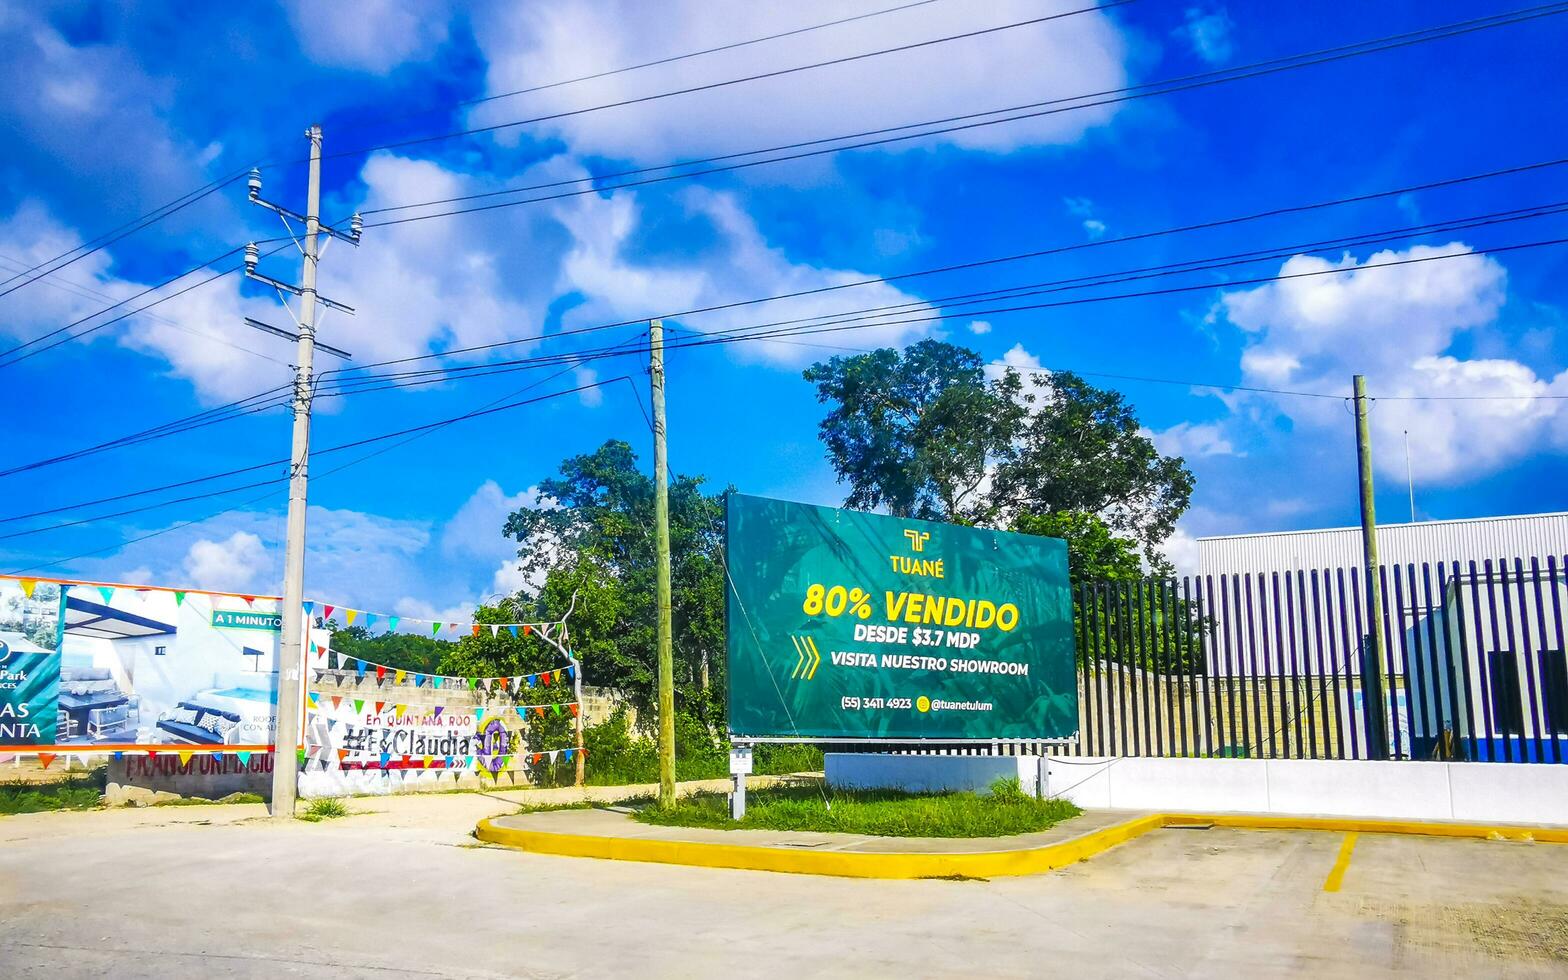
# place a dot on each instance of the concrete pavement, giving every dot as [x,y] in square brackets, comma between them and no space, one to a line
[401,890]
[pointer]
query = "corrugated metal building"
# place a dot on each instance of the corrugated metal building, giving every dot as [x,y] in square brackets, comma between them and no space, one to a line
[1523,536]
[1474,633]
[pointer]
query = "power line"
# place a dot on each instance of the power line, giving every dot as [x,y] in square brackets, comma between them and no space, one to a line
[116,234]
[670,59]
[1015,257]
[710,86]
[1106,97]
[423,428]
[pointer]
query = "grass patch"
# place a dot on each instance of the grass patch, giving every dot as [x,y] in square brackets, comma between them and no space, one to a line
[323,808]
[74,793]
[1005,812]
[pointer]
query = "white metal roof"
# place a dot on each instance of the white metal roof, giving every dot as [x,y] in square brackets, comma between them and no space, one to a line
[1504,538]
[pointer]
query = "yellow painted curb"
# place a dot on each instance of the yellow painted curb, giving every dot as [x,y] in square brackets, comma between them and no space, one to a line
[981,864]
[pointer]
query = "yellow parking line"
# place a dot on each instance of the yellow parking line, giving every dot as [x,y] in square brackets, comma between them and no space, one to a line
[1336,874]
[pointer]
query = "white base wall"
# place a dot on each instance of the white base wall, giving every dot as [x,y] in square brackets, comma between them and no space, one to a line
[929,773]
[1479,792]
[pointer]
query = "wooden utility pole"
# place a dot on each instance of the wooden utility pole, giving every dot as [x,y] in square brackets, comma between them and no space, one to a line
[1369,550]
[661,530]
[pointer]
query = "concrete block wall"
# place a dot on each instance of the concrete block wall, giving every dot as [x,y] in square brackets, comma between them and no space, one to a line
[1476,792]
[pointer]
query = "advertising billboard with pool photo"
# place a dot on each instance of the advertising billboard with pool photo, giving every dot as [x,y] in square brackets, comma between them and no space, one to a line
[137,667]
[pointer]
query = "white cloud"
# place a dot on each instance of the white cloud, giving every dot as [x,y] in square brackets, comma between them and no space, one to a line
[1193,440]
[1210,34]
[1093,227]
[1181,550]
[237,563]
[979,327]
[739,264]
[1398,325]
[532,44]
[372,35]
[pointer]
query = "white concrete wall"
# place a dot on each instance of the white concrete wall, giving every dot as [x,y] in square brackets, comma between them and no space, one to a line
[929,773]
[1478,792]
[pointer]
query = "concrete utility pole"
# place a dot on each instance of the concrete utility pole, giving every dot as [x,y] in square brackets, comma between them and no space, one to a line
[661,530]
[291,658]
[1369,536]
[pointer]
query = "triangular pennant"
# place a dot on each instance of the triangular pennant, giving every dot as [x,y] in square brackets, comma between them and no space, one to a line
[385,758]
[331,724]
[452,627]
[527,629]
[545,679]
[472,683]
[185,756]
[427,761]
[342,754]
[571,672]
[370,620]
[405,760]
[513,630]
[530,679]
[244,758]
[107,591]
[557,708]
[539,710]
[349,614]
[250,600]
[379,706]
[573,706]
[495,629]
[118,755]
[359,668]
[326,611]
[152,753]
[479,714]
[476,629]
[310,697]
[448,762]
[401,709]
[337,700]
[419,679]
[319,674]
[435,628]
[397,678]
[381,673]
[435,681]
[567,753]
[359,706]
[537,757]
[310,607]
[28,585]
[439,709]
[391,624]
[45,758]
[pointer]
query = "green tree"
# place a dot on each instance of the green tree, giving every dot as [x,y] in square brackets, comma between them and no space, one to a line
[404,651]
[927,433]
[591,536]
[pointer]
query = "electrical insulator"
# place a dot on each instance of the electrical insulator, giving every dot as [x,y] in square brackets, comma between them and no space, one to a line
[356,225]
[254,183]
[252,256]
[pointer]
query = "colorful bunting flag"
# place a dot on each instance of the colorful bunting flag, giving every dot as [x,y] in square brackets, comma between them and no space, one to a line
[557,708]
[250,600]
[326,611]
[513,630]
[527,629]
[342,754]
[391,624]
[370,620]
[452,626]
[419,679]
[545,678]
[244,758]
[311,697]
[28,585]
[310,607]
[185,756]
[476,629]
[359,706]
[337,700]
[479,714]
[397,678]
[439,709]
[359,668]
[379,706]
[435,628]
[45,758]
[568,754]
[349,614]
[435,681]
[401,709]
[573,706]
[495,630]
[107,591]
[381,673]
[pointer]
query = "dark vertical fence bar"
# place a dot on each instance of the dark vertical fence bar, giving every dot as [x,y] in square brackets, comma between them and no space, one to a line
[1252,681]
[1527,648]
[1562,648]
[1351,674]
[1243,733]
[1098,677]
[1121,678]
[1174,631]
[1415,681]
[1146,705]
[1363,652]
[1445,650]
[1286,627]
[1462,654]
[1500,714]
[1546,726]
[1205,677]
[1390,688]
[1299,630]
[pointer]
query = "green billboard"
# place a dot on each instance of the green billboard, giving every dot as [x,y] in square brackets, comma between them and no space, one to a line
[850,625]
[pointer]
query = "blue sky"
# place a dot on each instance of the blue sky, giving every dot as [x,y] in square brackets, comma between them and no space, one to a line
[113,113]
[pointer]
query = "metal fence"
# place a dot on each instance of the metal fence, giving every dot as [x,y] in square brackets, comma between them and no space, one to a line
[1279,665]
